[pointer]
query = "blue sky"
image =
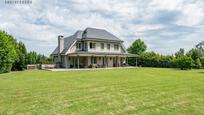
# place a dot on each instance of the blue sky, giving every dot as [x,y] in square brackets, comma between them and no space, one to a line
[164,25]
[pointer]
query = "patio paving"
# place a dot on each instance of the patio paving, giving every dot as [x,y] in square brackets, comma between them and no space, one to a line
[81,69]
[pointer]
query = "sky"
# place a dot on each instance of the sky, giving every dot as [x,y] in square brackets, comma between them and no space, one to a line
[164,25]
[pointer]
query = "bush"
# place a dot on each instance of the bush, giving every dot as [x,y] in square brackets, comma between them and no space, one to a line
[197,64]
[184,62]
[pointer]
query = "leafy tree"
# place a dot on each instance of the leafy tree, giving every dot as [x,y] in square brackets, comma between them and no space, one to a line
[138,47]
[184,62]
[35,58]
[197,64]
[20,63]
[152,59]
[32,57]
[200,46]
[194,54]
[202,61]
[13,55]
[43,59]
[7,52]
[180,53]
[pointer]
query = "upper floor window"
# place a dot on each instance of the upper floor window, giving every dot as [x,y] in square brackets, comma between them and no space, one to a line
[116,47]
[108,46]
[102,45]
[78,45]
[92,45]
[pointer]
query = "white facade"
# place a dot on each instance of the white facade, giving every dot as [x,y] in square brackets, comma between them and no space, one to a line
[115,47]
[83,50]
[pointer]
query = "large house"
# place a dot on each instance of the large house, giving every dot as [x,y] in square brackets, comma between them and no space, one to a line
[90,48]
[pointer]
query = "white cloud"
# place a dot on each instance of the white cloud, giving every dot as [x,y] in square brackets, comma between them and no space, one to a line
[39,24]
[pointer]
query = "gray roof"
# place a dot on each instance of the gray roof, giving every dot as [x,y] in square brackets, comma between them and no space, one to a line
[88,33]
[68,41]
[93,33]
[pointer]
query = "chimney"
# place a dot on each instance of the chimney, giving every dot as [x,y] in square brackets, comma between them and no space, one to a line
[60,43]
[60,49]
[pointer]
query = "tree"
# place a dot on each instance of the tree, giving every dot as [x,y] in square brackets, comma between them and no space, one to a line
[180,53]
[194,54]
[197,64]
[32,57]
[202,61]
[35,58]
[200,46]
[152,59]
[7,52]
[43,59]
[138,47]
[13,54]
[20,63]
[184,62]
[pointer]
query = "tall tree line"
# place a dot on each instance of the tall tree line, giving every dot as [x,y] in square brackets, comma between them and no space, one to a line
[194,58]
[14,55]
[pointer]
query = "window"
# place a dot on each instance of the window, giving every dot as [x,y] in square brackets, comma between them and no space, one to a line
[92,45]
[102,45]
[94,60]
[78,45]
[108,46]
[116,46]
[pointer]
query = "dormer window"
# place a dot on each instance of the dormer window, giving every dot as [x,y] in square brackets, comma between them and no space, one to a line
[92,45]
[78,45]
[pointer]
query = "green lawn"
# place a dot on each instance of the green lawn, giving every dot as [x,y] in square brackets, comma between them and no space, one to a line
[118,91]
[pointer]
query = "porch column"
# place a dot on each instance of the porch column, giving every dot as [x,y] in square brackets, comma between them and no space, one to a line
[65,60]
[106,61]
[136,61]
[127,60]
[117,61]
[78,61]
[74,60]
[92,60]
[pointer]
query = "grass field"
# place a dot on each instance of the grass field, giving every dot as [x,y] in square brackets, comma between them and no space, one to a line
[118,91]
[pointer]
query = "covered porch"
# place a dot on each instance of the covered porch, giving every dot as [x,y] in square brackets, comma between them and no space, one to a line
[91,60]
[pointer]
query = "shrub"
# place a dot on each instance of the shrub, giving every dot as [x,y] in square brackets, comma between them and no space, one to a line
[184,62]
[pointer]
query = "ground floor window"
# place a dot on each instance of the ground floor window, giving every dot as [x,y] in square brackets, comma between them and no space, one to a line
[94,60]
